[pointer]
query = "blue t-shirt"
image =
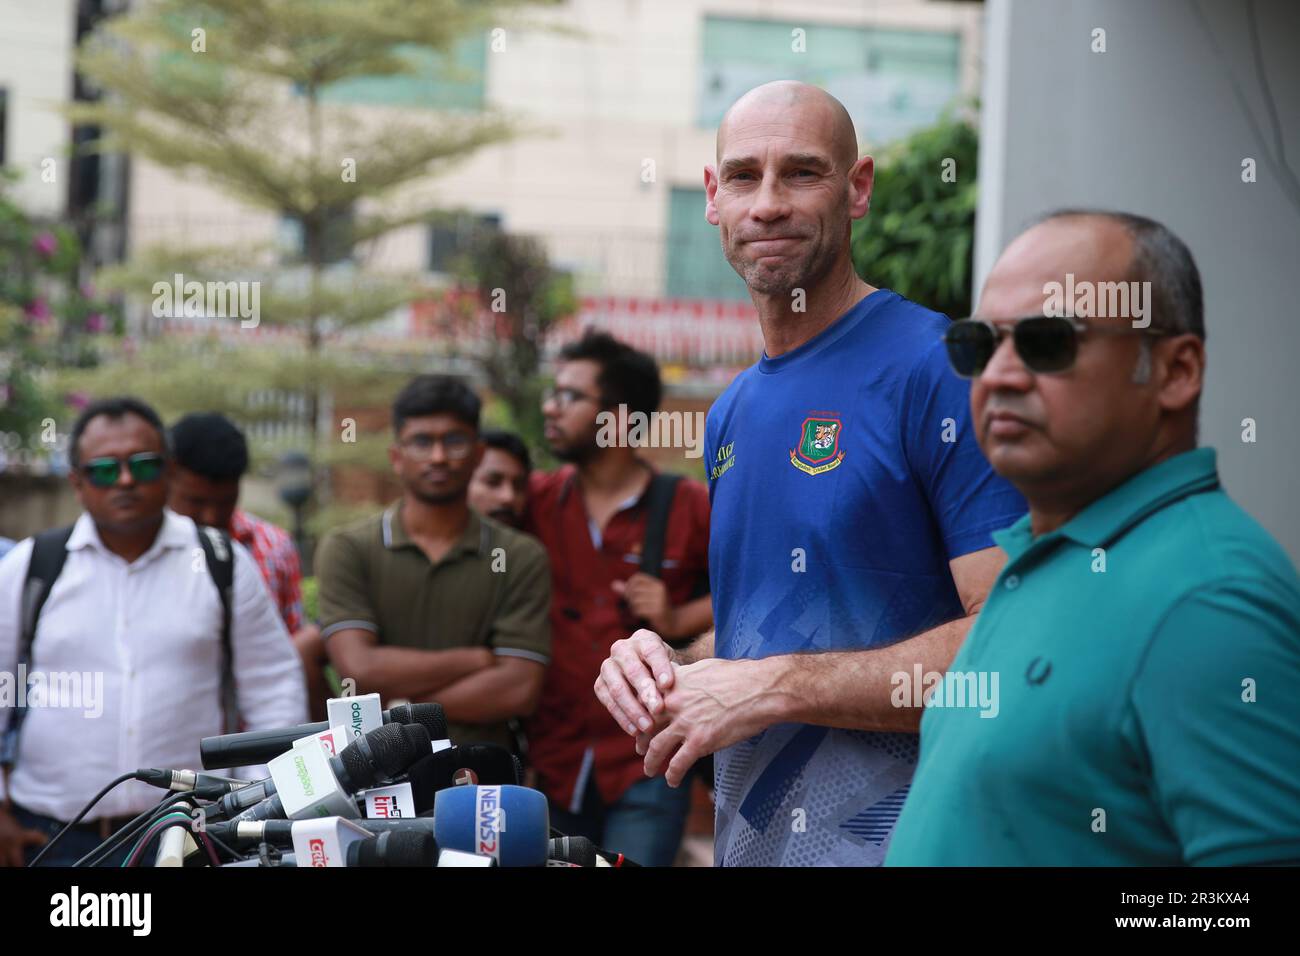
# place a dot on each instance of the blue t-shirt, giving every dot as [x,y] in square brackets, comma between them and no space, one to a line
[843,477]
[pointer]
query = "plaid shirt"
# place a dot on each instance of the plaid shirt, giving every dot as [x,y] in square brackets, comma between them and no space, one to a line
[273,550]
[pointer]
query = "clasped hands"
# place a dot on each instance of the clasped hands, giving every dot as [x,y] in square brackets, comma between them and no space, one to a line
[679,712]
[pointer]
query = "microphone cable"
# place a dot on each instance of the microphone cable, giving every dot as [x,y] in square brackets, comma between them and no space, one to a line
[134,775]
[172,818]
[95,856]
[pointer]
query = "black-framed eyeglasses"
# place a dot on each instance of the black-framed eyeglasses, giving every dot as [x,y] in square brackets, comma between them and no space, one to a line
[564,397]
[145,467]
[1045,343]
[457,446]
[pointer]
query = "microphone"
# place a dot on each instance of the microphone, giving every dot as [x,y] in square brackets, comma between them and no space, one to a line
[377,757]
[580,851]
[576,850]
[393,848]
[258,746]
[470,764]
[466,764]
[508,823]
[244,834]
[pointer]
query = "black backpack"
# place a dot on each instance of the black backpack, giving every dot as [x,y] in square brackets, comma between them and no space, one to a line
[49,551]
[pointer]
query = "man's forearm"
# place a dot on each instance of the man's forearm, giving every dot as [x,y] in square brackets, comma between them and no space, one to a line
[489,695]
[412,674]
[855,689]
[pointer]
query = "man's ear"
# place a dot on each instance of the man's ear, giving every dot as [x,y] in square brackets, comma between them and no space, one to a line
[710,190]
[1183,375]
[861,179]
[394,455]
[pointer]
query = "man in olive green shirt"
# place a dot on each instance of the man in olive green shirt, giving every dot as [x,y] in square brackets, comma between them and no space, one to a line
[429,600]
[1143,640]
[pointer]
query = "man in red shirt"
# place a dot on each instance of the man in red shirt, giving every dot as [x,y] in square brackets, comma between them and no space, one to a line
[211,457]
[592,515]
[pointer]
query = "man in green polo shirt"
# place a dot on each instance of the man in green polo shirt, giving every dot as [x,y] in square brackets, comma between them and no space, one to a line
[429,600]
[1143,639]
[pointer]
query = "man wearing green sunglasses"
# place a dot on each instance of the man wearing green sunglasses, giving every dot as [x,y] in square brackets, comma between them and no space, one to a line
[1145,629]
[132,608]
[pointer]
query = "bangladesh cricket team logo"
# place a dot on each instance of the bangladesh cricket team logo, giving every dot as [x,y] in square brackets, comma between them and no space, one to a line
[819,446]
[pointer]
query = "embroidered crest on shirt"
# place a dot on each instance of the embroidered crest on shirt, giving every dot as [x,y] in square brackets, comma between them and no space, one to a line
[819,445]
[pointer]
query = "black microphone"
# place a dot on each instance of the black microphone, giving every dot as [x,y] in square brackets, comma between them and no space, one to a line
[391,848]
[576,850]
[258,746]
[428,716]
[466,764]
[580,851]
[243,834]
[375,758]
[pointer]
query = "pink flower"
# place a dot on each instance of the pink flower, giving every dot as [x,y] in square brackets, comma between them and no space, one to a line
[77,400]
[45,244]
[38,311]
[95,322]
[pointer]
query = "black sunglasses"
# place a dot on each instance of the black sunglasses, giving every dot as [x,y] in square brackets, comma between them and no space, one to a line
[1044,343]
[146,466]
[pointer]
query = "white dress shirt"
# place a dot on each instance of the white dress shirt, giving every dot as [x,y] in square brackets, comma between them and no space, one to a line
[152,629]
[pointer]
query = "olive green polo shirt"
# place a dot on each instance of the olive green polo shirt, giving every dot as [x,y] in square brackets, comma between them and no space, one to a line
[1146,709]
[491,589]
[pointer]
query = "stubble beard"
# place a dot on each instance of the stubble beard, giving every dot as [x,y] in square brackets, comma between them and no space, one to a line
[805,273]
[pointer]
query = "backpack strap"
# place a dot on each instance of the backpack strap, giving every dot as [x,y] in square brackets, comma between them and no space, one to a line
[658,504]
[219,556]
[49,551]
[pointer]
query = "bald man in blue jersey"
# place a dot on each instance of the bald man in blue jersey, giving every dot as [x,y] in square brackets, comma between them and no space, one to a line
[852,513]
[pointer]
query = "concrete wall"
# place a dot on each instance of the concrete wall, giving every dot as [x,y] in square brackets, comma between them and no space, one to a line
[36,46]
[1159,125]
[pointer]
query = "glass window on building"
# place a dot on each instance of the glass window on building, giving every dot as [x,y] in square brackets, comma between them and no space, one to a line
[336,238]
[457,81]
[696,267]
[453,236]
[891,81]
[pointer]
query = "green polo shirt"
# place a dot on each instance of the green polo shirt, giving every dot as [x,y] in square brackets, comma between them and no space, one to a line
[492,589]
[1146,714]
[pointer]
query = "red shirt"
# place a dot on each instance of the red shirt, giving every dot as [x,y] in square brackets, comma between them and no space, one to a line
[572,734]
[273,550]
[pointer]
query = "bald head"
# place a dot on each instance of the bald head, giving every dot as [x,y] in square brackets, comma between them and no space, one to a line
[809,107]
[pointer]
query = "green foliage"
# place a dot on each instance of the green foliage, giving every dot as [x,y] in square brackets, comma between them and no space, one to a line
[918,238]
[48,320]
[310,598]
[524,298]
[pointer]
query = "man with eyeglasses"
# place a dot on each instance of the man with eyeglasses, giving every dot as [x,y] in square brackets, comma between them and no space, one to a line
[627,545]
[430,601]
[137,617]
[1146,629]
